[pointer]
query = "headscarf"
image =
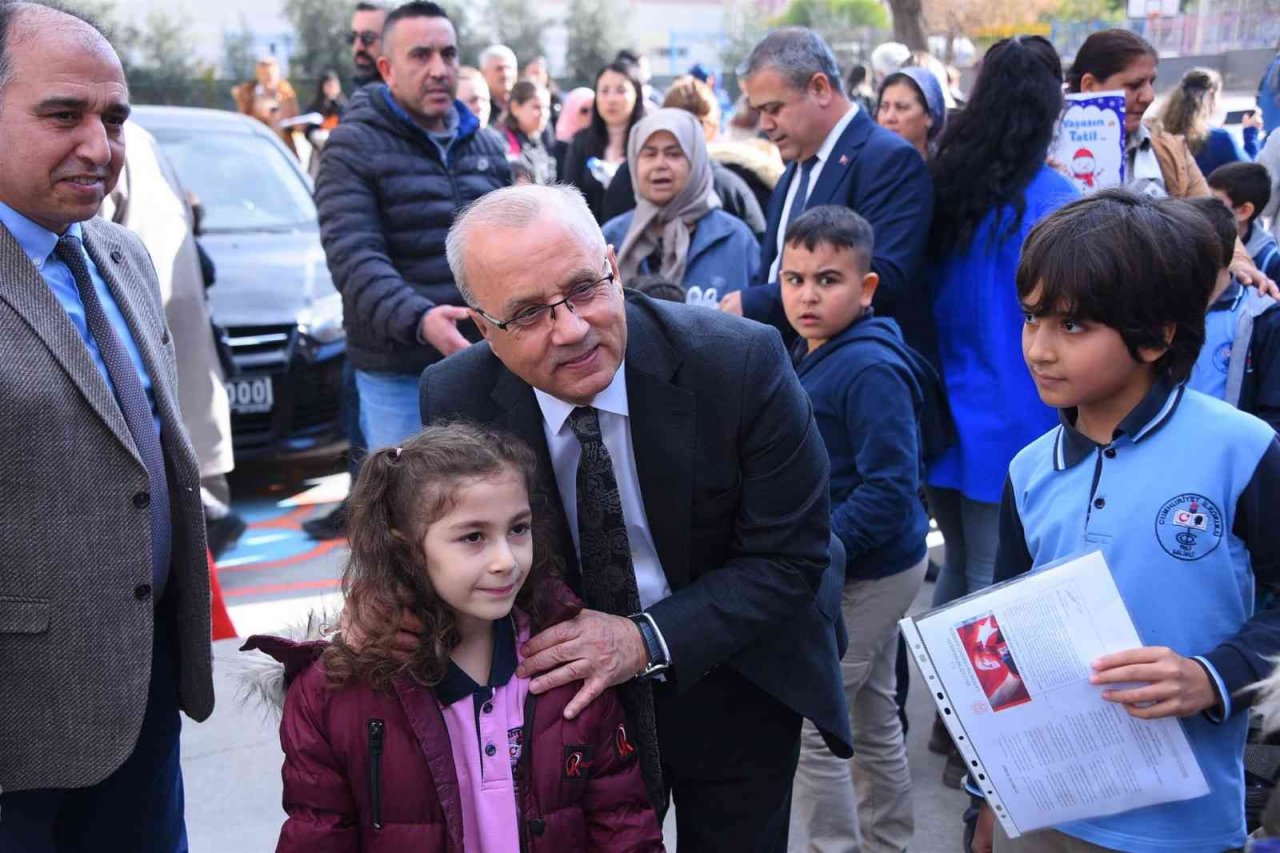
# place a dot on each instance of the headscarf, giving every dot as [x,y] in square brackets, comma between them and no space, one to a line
[668,223]
[571,118]
[926,82]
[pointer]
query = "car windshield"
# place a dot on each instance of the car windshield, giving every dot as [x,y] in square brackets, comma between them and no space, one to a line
[243,181]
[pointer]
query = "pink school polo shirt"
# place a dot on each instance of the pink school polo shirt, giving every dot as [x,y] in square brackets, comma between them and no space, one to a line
[486,731]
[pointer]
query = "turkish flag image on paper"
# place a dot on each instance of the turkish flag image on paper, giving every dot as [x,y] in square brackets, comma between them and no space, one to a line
[993,663]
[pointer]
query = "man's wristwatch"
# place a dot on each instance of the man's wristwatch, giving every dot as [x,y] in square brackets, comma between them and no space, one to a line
[658,662]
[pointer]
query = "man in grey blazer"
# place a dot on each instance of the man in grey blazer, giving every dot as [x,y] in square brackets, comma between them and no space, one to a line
[685,477]
[104,588]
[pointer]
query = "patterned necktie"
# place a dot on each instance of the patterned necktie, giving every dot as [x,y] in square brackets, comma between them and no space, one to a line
[609,579]
[134,405]
[801,198]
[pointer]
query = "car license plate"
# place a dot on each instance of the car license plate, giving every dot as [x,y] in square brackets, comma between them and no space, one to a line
[250,396]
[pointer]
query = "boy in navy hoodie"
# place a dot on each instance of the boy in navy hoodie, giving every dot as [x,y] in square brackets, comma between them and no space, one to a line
[868,390]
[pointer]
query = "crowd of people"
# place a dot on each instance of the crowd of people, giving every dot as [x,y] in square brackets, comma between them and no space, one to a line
[613,547]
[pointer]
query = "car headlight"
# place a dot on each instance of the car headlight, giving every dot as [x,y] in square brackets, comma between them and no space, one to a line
[321,321]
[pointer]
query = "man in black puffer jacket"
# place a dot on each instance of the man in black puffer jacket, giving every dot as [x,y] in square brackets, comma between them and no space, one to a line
[405,159]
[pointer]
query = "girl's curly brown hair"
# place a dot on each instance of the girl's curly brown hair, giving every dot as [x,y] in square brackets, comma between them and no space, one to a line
[400,492]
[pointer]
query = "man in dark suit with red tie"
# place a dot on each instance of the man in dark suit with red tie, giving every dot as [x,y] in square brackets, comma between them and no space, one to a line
[837,154]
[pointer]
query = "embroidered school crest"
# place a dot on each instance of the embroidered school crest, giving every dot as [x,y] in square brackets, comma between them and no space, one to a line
[577,762]
[1189,526]
[1222,357]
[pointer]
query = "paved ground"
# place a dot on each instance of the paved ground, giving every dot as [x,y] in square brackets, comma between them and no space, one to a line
[273,578]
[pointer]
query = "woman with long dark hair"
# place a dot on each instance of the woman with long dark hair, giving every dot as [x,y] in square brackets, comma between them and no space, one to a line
[991,185]
[600,149]
[523,122]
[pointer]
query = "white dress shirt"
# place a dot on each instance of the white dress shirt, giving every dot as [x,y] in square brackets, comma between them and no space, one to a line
[615,428]
[824,153]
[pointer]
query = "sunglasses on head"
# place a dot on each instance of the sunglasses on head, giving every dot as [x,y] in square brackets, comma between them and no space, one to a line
[368,38]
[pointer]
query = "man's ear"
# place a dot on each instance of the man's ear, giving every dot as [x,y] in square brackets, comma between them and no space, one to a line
[821,89]
[612,257]
[384,68]
[481,323]
[1245,211]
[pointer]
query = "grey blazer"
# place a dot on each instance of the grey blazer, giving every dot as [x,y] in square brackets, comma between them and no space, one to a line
[76,614]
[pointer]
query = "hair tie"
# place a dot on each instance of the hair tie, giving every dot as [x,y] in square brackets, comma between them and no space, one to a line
[399,450]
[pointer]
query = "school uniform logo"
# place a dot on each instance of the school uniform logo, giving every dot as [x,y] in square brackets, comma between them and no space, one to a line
[1222,357]
[1189,526]
[577,763]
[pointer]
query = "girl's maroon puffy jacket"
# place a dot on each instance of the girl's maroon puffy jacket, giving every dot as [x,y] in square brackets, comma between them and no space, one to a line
[350,784]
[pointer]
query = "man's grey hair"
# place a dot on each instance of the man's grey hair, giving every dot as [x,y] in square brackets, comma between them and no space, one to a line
[498,51]
[797,53]
[11,29]
[518,207]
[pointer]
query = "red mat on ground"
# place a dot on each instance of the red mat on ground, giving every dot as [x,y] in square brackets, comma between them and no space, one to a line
[222,627]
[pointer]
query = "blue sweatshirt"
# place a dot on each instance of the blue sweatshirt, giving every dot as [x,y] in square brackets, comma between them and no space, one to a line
[867,391]
[1221,148]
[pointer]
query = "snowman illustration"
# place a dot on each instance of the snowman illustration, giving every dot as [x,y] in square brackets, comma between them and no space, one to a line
[1084,168]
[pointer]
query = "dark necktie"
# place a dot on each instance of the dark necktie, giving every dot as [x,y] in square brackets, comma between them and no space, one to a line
[609,579]
[801,198]
[134,405]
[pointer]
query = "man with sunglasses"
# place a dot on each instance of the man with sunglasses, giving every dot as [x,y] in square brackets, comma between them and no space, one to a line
[686,483]
[406,156]
[365,39]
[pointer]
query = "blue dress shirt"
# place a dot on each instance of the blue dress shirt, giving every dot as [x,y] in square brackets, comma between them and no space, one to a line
[38,242]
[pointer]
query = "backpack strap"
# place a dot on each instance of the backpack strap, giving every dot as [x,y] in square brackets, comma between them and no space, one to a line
[1255,305]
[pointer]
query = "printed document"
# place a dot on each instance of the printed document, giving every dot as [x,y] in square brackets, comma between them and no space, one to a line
[1009,670]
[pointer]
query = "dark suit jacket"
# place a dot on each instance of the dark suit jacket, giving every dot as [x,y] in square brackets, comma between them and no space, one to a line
[883,179]
[76,610]
[734,478]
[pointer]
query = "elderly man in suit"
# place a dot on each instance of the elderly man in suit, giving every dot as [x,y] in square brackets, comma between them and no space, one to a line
[837,154]
[104,589]
[684,473]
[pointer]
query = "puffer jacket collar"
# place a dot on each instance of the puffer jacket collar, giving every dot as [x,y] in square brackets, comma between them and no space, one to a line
[374,105]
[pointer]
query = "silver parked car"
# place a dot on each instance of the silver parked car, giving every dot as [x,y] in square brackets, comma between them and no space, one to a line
[272,294]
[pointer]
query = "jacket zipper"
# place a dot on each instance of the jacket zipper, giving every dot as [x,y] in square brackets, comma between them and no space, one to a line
[376,729]
[526,762]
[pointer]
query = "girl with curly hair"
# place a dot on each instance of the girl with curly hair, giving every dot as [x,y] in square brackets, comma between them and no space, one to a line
[444,747]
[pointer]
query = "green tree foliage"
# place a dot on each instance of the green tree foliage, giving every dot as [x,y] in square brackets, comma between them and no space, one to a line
[593,27]
[517,24]
[321,28]
[834,15]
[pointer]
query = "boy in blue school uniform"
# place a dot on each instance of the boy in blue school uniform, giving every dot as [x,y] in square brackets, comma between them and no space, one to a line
[1173,486]
[1240,359]
[1246,189]
[868,391]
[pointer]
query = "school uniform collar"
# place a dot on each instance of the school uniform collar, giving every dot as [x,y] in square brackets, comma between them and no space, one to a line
[457,685]
[1229,298]
[1071,446]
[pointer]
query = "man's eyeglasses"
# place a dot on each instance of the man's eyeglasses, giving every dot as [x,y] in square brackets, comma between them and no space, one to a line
[368,38]
[581,297]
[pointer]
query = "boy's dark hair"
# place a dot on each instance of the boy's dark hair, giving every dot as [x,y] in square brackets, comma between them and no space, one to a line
[413,9]
[657,287]
[836,226]
[401,491]
[1243,182]
[1224,226]
[1124,260]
